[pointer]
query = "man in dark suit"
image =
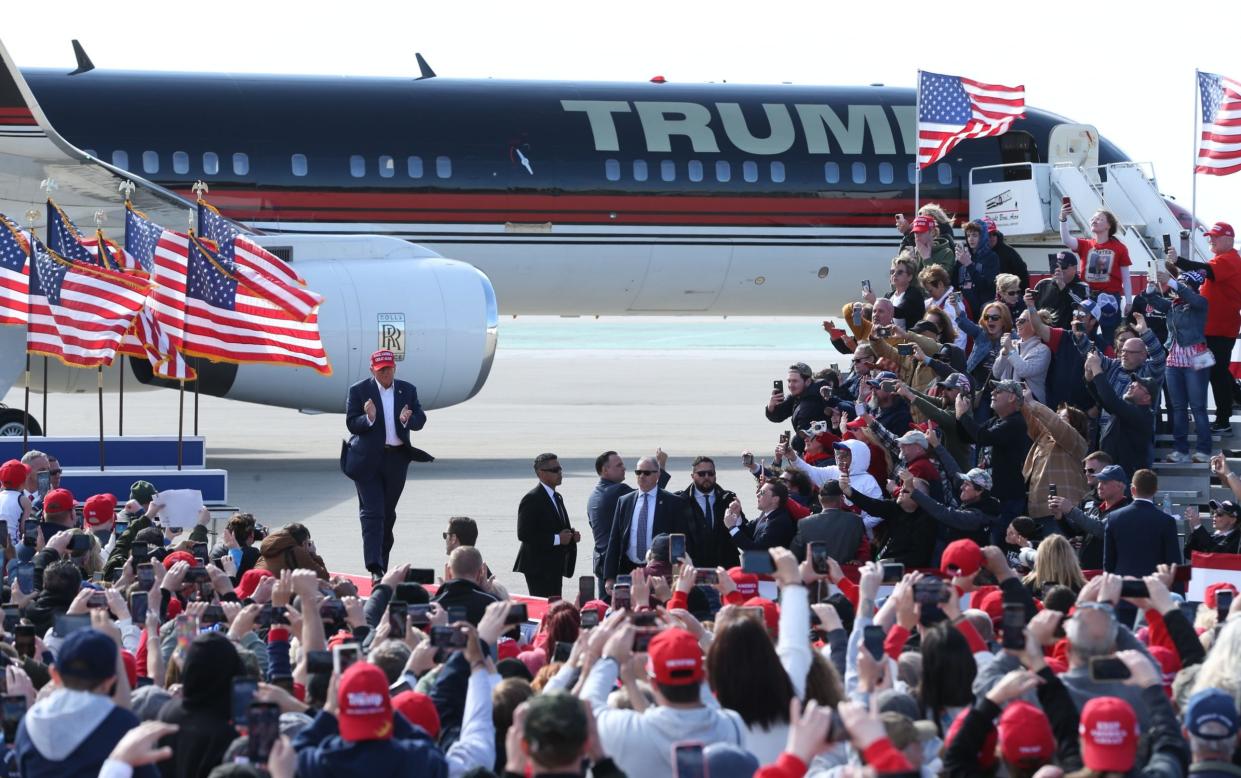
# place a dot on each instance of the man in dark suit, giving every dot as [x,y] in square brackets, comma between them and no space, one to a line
[380,412]
[707,501]
[773,527]
[639,517]
[548,543]
[601,506]
[1140,537]
[840,529]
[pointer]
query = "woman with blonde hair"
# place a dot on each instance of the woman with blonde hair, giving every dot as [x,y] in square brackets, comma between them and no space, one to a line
[1055,564]
[939,295]
[89,561]
[1008,291]
[994,322]
[906,296]
[1222,667]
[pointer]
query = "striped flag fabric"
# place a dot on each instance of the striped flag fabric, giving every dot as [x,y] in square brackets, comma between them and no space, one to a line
[953,108]
[14,274]
[1219,149]
[226,322]
[160,328]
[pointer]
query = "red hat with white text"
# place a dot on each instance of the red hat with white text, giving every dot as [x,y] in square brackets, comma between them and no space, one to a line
[1221,229]
[383,358]
[365,710]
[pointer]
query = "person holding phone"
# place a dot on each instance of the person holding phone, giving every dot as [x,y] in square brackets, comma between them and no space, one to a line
[1059,292]
[1224,538]
[977,265]
[465,588]
[1104,259]
[1189,363]
[907,298]
[1024,357]
[801,400]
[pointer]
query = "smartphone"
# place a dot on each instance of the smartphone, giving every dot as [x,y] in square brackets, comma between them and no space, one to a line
[676,547]
[138,607]
[517,614]
[1066,201]
[754,612]
[456,613]
[866,288]
[818,556]
[1051,490]
[197,575]
[79,543]
[644,618]
[837,733]
[757,561]
[97,600]
[4,532]
[1167,242]
[263,728]
[706,576]
[45,483]
[344,655]
[857,315]
[786,436]
[1107,668]
[449,637]
[1013,626]
[624,580]
[31,538]
[279,615]
[1133,588]
[199,550]
[25,577]
[590,618]
[243,695]
[688,761]
[620,597]
[398,618]
[873,637]
[930,591]
[14,709]
[777,387]
[23,639]
[585,589]
[1189,610]
[213,614]
[418,614]
[1223,604]
[65,625]
[146,576]
[642,640]
[905,349]
[333,610]
[12,617]
[562,651]
[420,575]
[141,552]
[319,661]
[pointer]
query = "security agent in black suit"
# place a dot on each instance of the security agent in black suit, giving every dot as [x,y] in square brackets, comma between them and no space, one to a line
[640,516]
[380,412]
[1140,537]
[601,506]
[707,502]
[773,527]
[548,544]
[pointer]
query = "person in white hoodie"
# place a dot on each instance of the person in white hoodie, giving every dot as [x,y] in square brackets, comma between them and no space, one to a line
[641,743]
[861,480]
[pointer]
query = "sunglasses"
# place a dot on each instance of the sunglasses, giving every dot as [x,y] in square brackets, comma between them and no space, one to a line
[704,473]
[551,469]
[1011,292]
[446,534]
[55,472]
[992,317]
[1088,471]
[896,272]
[646,472]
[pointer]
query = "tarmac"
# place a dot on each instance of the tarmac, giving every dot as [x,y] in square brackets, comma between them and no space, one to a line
[576,387]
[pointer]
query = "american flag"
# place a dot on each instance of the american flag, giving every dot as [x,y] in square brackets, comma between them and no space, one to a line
[1219,152]
[79,313]
[255,267]
[225,322]
[160,328]
[14,275]
[952,108]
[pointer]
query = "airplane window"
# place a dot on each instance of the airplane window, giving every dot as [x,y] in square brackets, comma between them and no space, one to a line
[414,165]
[912,172]
[150,162]
[777,172]
[944,171]
[639,170]
[668,170]
[299,165]
[357,165]
[749,171]
[831,172]
[386,167]
[180,162]
[723,171]
[443,167]
[120,159]
[611,169]
[859,172]
[885,172]
[211,163]
[241,164]
[694,170]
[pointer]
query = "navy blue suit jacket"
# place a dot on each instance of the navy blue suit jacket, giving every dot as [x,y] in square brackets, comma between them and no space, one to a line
[1139,537]
[671,516]
[601,507]
[364,451]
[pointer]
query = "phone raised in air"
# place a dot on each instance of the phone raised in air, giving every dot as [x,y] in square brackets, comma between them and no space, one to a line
[817,550]
[676,547]
[1013,626]
[873,637]
[688,760]
[242,696]
[1107,668]
[757,561]
[263,728]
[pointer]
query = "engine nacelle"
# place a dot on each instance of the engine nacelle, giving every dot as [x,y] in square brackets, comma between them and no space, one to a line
[438,314]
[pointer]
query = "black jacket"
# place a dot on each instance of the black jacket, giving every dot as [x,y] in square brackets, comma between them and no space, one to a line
[1049,296]
[973,521]
[204,709]
[1011,261]
[802,409]
[1126,432]
[1009,441]
[538,521]
[1138,538]
[775,530]
[466,594]
[911,536]
[1201,540]
[670,515]
[842,530]
[712,545]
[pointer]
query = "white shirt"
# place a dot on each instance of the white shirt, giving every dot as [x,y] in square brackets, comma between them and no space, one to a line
[650,525]
[551,494]
[387,398]
[11,512]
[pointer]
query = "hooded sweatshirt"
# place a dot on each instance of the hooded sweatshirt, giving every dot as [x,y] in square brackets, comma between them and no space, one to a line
[859,478]
[204,708]
[71,733]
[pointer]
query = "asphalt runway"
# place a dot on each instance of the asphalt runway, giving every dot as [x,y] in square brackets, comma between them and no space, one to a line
[688,393]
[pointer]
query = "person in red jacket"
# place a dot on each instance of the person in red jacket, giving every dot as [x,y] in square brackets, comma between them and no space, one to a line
[1222,289]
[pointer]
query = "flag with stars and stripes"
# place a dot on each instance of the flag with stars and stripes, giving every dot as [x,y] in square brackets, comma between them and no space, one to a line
[226,322]
[14,274]
[952,109]
[79,312]
[159,329]
[1219,150]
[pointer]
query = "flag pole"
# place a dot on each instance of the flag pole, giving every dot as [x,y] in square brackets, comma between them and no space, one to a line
[99,388]
[99,219]
[32,216]
[180,424]
[917,122]
[45,397]
[196,403]
[1193,170]
[126,189]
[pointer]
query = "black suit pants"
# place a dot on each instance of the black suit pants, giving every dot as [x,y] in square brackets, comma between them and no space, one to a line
[545,584]
[377,498]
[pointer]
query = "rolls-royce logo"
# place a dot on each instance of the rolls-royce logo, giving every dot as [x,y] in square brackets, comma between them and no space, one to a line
[392,333]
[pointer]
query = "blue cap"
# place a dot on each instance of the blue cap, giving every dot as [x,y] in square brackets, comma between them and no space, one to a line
[879,378]
[1112,473]
[87,654]
[1211,714]
[726,760]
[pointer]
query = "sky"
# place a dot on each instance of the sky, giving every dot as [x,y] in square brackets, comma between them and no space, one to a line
[1126,68]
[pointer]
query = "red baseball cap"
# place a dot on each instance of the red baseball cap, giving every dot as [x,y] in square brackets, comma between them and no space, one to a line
[250,581]
[923,224]
[179,556]
[13,474]
[58,501]
[1209,598]
[383,358]
[1169,665]
[771,611]
[1109,735]
[747,583]
[989,223]
[986,756]
[420,710]
[992,603]
[364,705]
[99,509]
[962,557]
[674,658]
[1025,735]
[1221,228]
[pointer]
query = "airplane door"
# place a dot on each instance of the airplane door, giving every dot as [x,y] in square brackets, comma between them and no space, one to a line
[683,278]
[1073,144]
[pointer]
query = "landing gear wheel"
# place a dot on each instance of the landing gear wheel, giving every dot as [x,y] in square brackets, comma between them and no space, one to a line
[12,420]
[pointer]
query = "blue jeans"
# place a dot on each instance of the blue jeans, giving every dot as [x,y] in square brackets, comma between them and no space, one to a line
[1187,390]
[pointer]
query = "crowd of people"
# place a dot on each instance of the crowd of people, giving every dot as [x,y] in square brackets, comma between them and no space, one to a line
[955,566]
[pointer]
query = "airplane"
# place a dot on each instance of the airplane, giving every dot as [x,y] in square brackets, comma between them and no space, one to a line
[550,197]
